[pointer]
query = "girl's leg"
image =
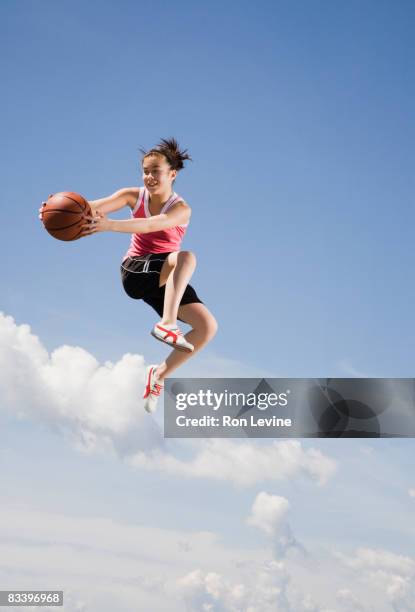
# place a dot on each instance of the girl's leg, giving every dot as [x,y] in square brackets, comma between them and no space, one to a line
[175,275]
[204,327]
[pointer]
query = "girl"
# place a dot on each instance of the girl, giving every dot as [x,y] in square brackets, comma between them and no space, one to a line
[154,268]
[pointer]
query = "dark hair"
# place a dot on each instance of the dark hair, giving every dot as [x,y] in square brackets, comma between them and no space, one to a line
[169,148]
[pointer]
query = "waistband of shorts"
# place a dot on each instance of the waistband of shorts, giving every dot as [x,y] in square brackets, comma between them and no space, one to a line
[146,256]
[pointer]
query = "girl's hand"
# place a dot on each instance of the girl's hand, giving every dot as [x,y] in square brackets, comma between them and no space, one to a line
[41,208]
[96,223]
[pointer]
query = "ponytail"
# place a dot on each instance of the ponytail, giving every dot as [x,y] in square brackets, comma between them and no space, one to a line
[169,148]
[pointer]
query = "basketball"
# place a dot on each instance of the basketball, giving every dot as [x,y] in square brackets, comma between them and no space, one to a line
[64,214]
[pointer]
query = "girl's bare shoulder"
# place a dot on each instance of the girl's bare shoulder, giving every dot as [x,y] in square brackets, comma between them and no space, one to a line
[131,195]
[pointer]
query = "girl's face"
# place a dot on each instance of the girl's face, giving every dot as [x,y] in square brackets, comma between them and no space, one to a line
[157,174]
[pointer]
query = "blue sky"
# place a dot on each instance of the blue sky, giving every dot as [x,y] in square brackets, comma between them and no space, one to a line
[299,117]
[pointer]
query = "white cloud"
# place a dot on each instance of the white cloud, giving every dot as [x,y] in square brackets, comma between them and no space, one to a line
[349,602]
[99,406]
[388,572]
[107,564]
[374,559]
[265,587]
[265,590]
[243,463]
[411,492]
[269,513]
[102,564]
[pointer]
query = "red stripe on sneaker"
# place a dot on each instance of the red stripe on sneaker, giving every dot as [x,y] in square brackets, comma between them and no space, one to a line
[148,388]
[168,332]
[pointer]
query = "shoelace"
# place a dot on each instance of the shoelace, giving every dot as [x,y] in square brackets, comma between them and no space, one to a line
[157,389]
[174,330]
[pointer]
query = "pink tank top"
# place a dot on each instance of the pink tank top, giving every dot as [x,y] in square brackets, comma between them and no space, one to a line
[163,241]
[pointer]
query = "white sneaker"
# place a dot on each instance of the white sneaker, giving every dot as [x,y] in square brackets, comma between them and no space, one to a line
[153,389]
[171,335]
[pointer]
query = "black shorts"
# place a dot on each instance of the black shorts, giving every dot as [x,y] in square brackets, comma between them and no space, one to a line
[140,278]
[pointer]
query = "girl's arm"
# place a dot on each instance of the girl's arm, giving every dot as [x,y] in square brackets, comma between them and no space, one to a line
[178,214]
[119,199]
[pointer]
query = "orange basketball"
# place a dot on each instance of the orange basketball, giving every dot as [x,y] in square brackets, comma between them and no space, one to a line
[64,214]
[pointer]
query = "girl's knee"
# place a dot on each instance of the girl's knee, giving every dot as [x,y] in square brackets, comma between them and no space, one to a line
[187,257]
[209,327]
[213,326]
